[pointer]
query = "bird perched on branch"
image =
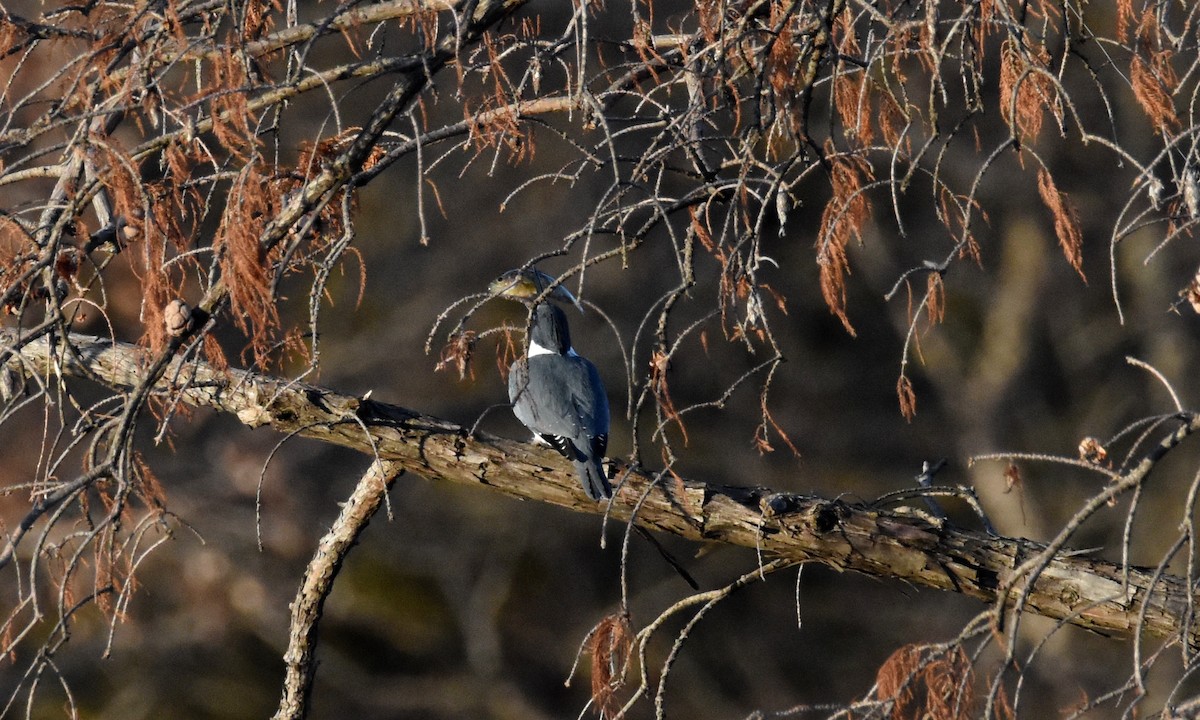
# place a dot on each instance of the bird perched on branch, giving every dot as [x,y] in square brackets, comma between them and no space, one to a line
[559,396]
[525,284]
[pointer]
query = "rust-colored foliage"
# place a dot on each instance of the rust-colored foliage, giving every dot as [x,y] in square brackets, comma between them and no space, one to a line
[1026,88]
[660,364]
[717,111]
[761,442]
[853,107]
[214,355]
[727,286]
[778,297]
[892,123]
[935,290]
[734,287]
[610,645]
[149,489]
[1152,90]
[10,36]
[907,397]
[494,123]
[1152,75]
[146,233]
[952,210]
[457,353]
[783,71]
[1013,481]
[1126,18]
[761,439]
[18,256]
[255,20]
[120,177]
[315,157]
[233,120]
[108,578]
[156,292]
[114,567]
[986,11]
[641,39]
[424,24]
[844,217]
[180,157]
[709,18]
[933,683]
[66,264]
[1066,221]
[507,350]
[245,267]
[850,87]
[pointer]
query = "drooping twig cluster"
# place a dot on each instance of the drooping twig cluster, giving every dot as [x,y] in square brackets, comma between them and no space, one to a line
[158,175]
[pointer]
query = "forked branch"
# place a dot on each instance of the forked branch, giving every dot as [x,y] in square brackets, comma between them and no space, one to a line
[1106,597]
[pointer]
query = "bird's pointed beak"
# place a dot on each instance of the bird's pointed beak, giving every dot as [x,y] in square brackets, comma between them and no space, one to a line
[562,293]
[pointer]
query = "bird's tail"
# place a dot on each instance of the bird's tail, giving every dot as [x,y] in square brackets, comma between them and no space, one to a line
[591,476]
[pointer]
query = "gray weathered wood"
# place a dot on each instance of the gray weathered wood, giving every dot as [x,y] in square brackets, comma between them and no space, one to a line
[1101,596]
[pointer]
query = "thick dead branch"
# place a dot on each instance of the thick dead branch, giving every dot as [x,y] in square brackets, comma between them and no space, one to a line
[318,582]
[1098,595]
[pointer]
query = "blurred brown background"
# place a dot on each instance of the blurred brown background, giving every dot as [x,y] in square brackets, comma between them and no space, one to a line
[469,604]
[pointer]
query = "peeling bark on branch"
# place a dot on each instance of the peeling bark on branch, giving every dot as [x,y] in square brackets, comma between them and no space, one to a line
[300,657]
[1106,597]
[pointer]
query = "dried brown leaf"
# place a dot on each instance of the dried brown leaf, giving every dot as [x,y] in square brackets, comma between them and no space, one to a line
[245,267]
[610,646]
[1153,84]
[1126,18]
[843,218]
[148,485]
[761,441]
[1027,89]
[214,355]
[907,397]
[1066,221]
[457,353]
[935,290]
[924,682]
[851,95]
[233,121]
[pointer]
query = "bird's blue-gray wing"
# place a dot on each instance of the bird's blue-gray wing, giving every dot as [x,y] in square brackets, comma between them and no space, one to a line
[562,399]
[545,397]
[592,406]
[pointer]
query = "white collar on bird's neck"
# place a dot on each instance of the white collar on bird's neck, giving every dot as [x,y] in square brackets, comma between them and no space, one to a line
[535,350]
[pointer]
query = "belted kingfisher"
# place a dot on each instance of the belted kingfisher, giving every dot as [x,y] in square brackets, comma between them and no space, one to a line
[559,396]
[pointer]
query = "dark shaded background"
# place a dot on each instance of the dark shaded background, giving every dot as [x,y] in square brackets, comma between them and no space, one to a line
[464,603]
